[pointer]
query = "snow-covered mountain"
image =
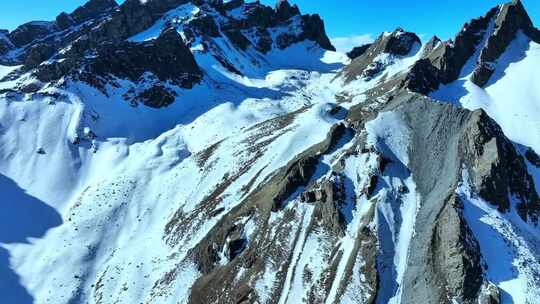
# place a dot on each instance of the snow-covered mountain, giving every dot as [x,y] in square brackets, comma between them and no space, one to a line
[175,151]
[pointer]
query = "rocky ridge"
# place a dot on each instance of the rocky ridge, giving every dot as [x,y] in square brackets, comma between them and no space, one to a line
[90,43]
[312,183]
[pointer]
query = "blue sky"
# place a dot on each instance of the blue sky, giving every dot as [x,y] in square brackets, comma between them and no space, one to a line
[353,21]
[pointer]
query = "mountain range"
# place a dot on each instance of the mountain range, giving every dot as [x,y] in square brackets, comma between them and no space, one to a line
[210,151]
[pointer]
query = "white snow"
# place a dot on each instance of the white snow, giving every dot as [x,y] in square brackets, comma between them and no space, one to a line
[510,247]
[93,215]
[512,96]
[175,16]
[396,212]
[390,135]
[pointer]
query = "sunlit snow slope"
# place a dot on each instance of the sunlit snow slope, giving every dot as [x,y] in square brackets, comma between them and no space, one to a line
[174,151]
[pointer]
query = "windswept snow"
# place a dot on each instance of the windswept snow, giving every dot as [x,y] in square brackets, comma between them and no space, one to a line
[391,136]
[510,248]
[110,228]
[397,210]
[512,96]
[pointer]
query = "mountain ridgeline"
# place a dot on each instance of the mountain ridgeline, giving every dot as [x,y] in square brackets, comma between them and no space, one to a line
[208,151]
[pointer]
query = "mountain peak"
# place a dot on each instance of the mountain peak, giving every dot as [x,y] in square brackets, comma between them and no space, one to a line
[285,10]
[513,14]
[512,17]
[373,59]
[400,42]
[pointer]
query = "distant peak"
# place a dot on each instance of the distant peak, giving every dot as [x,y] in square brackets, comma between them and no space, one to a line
[435,38]
[400,42]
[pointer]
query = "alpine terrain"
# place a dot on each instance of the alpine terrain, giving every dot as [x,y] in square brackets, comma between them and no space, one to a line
[209,151]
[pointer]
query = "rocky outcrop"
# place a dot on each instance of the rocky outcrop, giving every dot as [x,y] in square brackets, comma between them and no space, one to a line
[400,42]
[490,294]
[498,172]
[397,43]
[450,57]
[511,18]
[313,29]
[358,51]
[103,26]
[444,257]
[29,32]
[431,45]
[300,172]
[167,58]
[457,258]
[328,200]
[5,44]
[92,9]
[422,78]
[38,53]
[284,10]
[298,175]
[204,25]
[532,157]
[157,96]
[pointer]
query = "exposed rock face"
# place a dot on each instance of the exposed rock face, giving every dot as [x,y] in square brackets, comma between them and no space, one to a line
[397,43]
[511,18]
[167,57]
[442,62]
[532,157]
[269,198]
[432,44]
[98,42]
[284,10]
[92,9]
[5,43]
[423,77]
[358,51]
[329,199]
[370,209]
[490,294]
[457,254]
[445,259]
[445,262]
[314,30]
[205,25]
[498,171]
[29,32]
[442,261]
[156,96]
[38,53]
[298,175]
[400,42]
[450,57]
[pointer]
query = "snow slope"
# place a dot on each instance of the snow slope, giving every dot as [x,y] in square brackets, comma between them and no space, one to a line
[102,236]
[512,96]
[123,203]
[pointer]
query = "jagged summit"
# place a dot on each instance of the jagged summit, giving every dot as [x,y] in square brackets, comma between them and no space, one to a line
[209,151]
[512,17]
[285,10]
[473,53]
[99,31]
[379,54]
